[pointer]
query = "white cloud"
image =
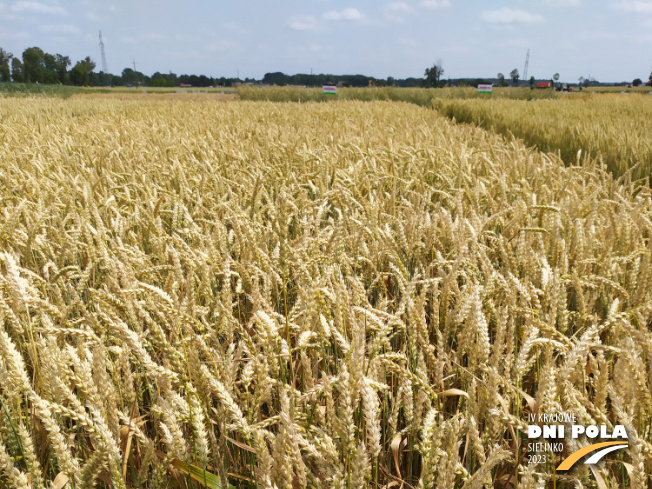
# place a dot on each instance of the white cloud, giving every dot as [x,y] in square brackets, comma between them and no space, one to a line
[636,6]
[92,17]
[346,14]
[14,36]
[303,23]
[312,23]
[399,7]
[59,29]
[563,3]
[397,11]
[6,15]
[37,8]
[12,17]
[510,16]
[435,3]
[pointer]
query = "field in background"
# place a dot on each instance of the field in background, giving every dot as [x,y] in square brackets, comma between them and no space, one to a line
[162,90]
[419,96]
[318,295]
[615,128]
[35,89]
[643,89]
[609,126]
[208,97]
[66,91]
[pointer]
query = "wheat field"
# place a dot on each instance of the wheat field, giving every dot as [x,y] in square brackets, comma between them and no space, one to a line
[420,96]
[343,295]
[613,128]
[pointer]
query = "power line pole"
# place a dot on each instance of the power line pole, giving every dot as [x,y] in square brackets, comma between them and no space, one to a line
[104,67]
[134,64]
[527,62]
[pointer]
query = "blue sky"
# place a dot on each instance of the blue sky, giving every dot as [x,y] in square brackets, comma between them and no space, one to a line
[609,40]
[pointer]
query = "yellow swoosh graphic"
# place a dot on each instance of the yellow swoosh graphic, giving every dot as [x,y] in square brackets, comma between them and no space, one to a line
[575,456]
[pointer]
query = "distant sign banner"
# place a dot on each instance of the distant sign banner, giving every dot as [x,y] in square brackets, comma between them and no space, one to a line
[329,89]
[484,88]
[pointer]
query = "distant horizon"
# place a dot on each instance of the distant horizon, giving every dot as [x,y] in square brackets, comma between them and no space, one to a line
[602,39]
[444,79]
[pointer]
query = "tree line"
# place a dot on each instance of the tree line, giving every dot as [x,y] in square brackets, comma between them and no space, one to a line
[37,66]
[301,79]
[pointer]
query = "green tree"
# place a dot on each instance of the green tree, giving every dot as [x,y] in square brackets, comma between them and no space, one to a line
[514,75]
[128,76]
[556,78]
[34,65]
[50,72]
[82,71]
[62,64]
[501,80]
[160,80]
[17,74]
[637,82]
[5,60]
[276,78]
[133,77]
[532,80]
[434,74]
